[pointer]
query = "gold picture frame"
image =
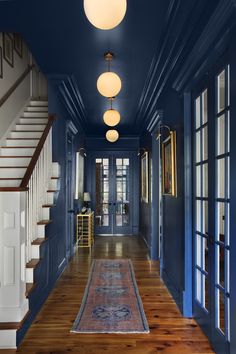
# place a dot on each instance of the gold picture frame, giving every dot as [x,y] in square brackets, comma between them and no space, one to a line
[169,183]
[144,177]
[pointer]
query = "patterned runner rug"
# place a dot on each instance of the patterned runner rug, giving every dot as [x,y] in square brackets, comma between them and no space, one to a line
[111,302]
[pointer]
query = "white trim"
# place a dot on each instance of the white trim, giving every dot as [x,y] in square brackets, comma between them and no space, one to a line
[8,339]
[14,314]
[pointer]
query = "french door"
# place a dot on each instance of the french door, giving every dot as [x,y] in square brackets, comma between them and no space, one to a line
[211,231]
[112,191]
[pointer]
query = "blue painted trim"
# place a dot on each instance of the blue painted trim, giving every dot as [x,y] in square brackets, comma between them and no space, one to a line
[187,293]
[222,19]
[177,295]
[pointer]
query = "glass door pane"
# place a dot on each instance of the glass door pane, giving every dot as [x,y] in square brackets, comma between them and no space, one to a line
[102,184]
[122,192]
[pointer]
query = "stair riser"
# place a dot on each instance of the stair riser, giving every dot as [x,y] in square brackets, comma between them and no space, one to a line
[20,161]
[25,134]
[35,251]
[46,213]
[7,183]
[41,231]
[17,152]
[29,275]
[50,198]
[36,109]
[39,127]
[55,169]
[22,142]
[33,120]
[53,184]
[12,173]
[8,339]
[35,114]
[38,104]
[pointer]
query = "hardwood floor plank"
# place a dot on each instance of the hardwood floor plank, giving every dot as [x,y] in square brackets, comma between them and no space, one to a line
[169,331]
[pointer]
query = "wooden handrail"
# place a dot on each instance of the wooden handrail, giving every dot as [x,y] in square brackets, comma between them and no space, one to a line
[30,168]
[16,84]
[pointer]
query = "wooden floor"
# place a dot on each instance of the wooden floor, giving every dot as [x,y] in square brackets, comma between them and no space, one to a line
[170,332]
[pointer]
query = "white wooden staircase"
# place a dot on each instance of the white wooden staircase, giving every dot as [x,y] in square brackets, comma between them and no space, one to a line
[29,182]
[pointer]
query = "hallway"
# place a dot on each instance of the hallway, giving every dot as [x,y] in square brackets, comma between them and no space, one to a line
[170,332]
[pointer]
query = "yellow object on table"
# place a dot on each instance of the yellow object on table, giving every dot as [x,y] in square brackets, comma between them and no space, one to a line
[85,230]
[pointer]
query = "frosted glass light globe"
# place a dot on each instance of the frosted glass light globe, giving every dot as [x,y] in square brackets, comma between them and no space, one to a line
[112,135]
[109,84]
[105,14]
[111,117]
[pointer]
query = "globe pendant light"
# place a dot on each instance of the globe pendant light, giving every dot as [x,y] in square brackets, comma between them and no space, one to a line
[105,14]
[109,83]
[111,117]
[112,135]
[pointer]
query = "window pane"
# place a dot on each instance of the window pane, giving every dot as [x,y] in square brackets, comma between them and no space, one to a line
[221,91]
[204,107]
[199,250]
[206,252]
[221,178]
[205,180]
[198,216]
[205,217]
[205,143]
[221,135]
[198,146]
[198,181]
[206,292]
[199,285]
[221,222]
[197,112]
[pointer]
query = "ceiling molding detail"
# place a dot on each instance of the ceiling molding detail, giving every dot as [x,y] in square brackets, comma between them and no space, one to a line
[156,119]
[181,31]
[208,43]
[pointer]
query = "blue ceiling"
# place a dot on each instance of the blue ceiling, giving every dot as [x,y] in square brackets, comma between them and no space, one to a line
[70,50]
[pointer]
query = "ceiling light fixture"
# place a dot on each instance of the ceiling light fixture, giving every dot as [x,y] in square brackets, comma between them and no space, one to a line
[112,135]
[109,83]
[105,14]
[111,117]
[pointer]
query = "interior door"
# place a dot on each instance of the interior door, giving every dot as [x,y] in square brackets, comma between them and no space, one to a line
[113,197]
[211,233]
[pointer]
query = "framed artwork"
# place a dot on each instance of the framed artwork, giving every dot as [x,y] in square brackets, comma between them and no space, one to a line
[8,49]
[144,177]
[18,44]
[1,67]
[169,165]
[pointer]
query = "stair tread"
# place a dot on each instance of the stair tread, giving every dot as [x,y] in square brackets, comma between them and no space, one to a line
[52,190]
[55,177]
[48,205]
[38,241]
[31,123]
[10,179]
[17,156]
[22,139]
[29,288]
[27,131]
[18,147]
[33,263]
[13,166]
[44,222]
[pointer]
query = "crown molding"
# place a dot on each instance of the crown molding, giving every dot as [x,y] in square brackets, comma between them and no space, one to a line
[181,31]
[70,96]
[209,43]
[156,119]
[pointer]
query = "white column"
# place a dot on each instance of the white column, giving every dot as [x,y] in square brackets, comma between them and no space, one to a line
[13,303]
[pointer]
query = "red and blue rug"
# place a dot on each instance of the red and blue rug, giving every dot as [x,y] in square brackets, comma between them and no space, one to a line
[111,302]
